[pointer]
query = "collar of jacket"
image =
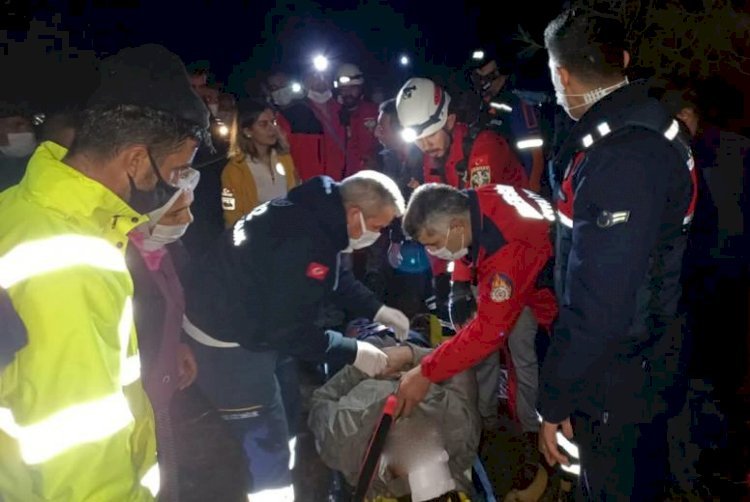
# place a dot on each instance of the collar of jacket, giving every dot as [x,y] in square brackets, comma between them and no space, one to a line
[53,184]
[456,151]
[626,101]
[321,198]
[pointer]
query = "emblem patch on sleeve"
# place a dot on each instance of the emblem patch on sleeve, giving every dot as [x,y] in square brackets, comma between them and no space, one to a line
[480,176]
[227,200]
[317,271]
[501,288]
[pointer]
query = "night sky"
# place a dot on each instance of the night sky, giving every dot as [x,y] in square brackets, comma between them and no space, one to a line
[241,37]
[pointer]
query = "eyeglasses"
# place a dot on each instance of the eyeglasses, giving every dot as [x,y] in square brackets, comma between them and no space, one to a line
[184,177]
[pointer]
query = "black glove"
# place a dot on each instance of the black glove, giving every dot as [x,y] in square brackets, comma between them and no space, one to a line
[462,305]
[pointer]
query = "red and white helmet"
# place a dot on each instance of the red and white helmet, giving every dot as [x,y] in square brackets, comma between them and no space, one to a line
[349,74]
[422,108]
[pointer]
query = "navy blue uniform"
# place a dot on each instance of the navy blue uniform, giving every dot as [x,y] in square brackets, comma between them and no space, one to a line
[265,282]
[624,203]
[263,287]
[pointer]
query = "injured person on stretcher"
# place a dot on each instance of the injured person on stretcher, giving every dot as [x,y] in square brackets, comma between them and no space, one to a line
[428,455]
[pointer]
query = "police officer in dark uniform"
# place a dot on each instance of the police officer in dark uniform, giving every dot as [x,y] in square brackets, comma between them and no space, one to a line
[624,202]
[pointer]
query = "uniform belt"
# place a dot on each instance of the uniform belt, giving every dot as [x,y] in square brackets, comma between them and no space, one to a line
[199,336]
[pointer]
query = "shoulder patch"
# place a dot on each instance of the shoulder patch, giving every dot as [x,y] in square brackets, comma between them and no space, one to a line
[480,176]
[317,271]
[228,202]
[501,288]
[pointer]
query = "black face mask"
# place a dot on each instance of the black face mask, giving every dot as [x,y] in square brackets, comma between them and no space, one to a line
[145,201]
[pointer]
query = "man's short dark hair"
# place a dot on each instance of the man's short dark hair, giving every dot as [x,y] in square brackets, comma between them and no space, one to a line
[105,131]
[430,203]
[587,44]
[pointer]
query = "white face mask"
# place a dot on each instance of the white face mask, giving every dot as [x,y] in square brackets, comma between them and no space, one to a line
[20,144]
[157,235]
[446,254]
[589,98]
[367,238]
[161,235]
[320,97]
[214,109]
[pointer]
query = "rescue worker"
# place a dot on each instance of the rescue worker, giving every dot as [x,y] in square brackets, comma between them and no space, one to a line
[359,116]
[452,155]
[75,423]
[452,152]
[503,232]
[507,113]
[258,294]
[624,202]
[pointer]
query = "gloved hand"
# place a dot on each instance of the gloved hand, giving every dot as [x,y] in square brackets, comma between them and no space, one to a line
[394,319]
[462,304]
[370,360]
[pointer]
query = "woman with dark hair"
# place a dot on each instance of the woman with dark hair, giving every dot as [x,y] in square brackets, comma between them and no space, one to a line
[260,167]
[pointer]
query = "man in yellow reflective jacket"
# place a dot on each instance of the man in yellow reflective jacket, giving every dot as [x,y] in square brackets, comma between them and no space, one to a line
[75,423]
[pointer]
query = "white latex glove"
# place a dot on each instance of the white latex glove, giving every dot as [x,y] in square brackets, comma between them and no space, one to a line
[370,359]
[394,319]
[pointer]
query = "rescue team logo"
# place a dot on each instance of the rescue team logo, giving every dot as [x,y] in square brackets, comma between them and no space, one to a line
[227,200]
[480,176]
[406,91]
[317,271]
[501,288]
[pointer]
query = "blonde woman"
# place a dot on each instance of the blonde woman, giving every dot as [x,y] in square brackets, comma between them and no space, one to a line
[260,167]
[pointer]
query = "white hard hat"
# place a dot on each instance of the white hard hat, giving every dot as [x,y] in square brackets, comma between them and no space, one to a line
[349,74]
[422,108]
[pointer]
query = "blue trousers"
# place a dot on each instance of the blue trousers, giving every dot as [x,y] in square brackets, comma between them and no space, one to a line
[244,388]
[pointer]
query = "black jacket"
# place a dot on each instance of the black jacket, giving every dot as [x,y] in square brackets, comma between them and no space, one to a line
[623,204]
[264,283]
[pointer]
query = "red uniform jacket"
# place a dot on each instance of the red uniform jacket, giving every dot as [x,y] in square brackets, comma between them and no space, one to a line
[316,138]
[334,136]
[361,143]
[511,247]
[491,160]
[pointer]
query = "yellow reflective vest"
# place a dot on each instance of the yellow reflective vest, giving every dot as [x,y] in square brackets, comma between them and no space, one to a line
[75,423]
